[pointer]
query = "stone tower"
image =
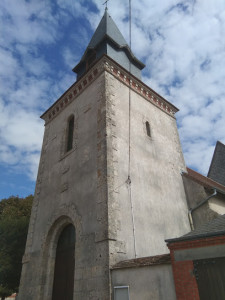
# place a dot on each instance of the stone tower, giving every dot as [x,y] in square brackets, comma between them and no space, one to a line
[109,185]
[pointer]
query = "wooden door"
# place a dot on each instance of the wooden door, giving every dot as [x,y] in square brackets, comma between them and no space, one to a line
[210,276]
[64,265]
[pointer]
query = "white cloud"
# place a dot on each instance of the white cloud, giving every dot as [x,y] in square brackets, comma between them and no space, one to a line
[69,58]
[186,65]
[24,80]
[31,160]
[181,42]
[18,134]
[199,154]
[27,22]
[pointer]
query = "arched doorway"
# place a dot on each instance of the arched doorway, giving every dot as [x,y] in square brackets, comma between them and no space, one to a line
[64,265]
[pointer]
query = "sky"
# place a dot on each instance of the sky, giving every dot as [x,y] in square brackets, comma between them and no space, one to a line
[182,44]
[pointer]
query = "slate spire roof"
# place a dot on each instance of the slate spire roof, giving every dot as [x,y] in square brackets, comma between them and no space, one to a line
[107,28]
[217,167]
[107,39]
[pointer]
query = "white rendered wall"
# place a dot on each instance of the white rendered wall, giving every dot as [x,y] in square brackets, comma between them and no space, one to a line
[157,193]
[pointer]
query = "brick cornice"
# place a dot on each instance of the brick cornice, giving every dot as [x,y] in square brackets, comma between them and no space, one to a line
[139,87]
[197,242]
[107,64]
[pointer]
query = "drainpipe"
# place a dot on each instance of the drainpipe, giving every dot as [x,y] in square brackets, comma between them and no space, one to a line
[197,206]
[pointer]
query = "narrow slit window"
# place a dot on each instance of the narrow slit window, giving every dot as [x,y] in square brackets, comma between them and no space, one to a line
[70,131]
[148,130]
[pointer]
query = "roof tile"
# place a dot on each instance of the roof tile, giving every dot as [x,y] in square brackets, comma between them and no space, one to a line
[143,261]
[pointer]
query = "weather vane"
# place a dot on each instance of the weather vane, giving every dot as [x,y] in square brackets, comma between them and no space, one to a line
[106,4]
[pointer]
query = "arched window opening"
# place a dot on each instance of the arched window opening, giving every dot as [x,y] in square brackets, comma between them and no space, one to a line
[64,265]
[70,131]
[148,131]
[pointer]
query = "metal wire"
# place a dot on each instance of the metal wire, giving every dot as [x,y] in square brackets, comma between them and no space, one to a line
[129,142]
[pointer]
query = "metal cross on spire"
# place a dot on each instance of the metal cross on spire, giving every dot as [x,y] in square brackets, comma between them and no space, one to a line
[106,4]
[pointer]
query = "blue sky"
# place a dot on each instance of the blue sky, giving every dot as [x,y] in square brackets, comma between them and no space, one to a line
[181,42]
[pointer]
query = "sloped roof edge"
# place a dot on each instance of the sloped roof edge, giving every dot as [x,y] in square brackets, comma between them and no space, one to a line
[136,61]
[143,261]
[216,227]
[203,180]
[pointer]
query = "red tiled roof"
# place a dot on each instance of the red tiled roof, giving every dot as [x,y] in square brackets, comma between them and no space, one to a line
[143,261]
[203,180]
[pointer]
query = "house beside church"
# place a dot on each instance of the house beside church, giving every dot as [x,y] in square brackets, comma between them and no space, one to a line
[112,186]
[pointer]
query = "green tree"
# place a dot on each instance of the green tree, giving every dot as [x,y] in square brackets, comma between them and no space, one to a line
[14,221]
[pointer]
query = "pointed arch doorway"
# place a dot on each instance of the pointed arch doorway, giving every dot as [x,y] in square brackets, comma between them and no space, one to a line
[64,265]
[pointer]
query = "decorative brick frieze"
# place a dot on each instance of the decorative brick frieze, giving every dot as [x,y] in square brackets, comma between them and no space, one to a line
[107,64]
[72,93]
[139,87]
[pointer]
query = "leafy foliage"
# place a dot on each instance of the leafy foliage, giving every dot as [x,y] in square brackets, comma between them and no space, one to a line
[14,221]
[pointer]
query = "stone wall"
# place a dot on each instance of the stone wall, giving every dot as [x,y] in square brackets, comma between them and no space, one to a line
[71,188]
[122,206]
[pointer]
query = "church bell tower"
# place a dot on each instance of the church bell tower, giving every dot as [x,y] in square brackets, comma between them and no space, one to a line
[109,185]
